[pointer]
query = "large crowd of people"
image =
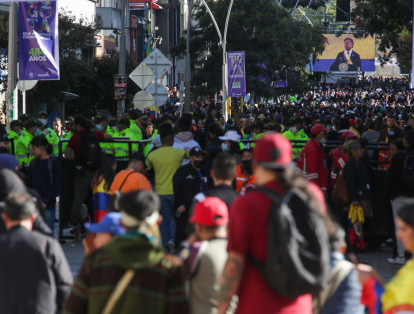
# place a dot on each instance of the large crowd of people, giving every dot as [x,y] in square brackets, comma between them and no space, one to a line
[181,217]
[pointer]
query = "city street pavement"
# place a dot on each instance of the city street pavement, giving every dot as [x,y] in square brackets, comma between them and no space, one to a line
[376,258]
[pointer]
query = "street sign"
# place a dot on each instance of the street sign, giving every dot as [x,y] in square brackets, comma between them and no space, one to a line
[143,100]
[120,85]
[26,85]
[158,63]
[142,75]
[159,92]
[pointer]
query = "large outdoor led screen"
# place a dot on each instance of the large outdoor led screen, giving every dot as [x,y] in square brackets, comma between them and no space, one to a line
[346,53]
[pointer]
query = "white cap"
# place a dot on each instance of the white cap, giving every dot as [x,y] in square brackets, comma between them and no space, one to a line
[230,136]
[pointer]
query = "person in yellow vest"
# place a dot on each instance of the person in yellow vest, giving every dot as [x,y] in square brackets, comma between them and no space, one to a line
[296,133]
[132,116]
[124,130]
[24,153]
[16,130]
[101,124]
[49,133]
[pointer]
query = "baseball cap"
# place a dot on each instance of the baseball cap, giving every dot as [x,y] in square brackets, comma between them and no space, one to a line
[210,212]
[111,223]
[196,151]
[230,136]
[273,151]
[348,134]
[317,128]
[8,161]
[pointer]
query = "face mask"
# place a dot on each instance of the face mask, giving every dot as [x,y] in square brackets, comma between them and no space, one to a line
[114,128]
[198,163]
[293,129]
[37,133]
[43,121]
[253,134]
[99,127]
[224,147]
[20,132]
[247,164]
[323,140]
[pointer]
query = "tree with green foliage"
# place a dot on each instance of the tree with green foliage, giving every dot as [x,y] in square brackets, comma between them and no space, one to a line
[391,22]
[273,41]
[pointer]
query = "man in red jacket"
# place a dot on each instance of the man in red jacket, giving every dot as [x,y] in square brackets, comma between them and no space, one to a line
[312,160]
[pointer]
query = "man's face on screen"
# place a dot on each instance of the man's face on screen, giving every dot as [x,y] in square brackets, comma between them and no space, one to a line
[348,45]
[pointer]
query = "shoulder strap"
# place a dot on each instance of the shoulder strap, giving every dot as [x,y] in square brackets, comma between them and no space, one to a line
[126,178]
[335,277]
[119,289]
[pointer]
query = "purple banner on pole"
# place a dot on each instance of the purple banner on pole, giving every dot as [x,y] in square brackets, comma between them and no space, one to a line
[39,41]
[280,84]
[236,74]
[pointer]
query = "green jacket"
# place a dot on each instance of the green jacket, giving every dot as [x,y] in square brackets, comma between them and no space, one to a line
[298,136]
[135,130]
[53,140]
[15,137]
[121,149]
[157,287]
[66,136]
[148,146]
[108,148]
[24,150]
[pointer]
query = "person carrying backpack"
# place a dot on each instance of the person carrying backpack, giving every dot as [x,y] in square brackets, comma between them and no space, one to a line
[280,263]
[83,148]
[399,186]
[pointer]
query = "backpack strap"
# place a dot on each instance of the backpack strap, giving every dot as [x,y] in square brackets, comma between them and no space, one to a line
[126,178]
[335,277]
[119,289]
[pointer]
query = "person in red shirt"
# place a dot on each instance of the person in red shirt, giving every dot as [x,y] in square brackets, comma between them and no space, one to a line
[84,175]
[312,160]
[339,158]
[248,232]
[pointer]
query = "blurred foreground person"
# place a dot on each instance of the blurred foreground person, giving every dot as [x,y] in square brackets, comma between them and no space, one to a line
[279,288]
[131,273]
[34,274]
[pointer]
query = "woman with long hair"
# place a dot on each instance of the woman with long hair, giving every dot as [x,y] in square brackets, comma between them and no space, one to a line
[101,187]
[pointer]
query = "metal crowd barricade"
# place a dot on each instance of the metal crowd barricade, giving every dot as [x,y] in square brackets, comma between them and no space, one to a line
[66,193]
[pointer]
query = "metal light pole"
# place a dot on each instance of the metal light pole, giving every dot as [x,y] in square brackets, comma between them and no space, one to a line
[187,84]
[223,43]
[120,105]
[11,106]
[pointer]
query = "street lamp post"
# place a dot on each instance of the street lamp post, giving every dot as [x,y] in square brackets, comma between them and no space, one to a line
[412,56]
[120,106]
[12,65]
[187,84]
[223,43]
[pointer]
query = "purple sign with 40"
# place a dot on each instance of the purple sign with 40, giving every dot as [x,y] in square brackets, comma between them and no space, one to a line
[39,41]
[236,74]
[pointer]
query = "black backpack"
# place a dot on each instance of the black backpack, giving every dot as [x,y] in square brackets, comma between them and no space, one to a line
[298,252]
[408,172]
[91,151]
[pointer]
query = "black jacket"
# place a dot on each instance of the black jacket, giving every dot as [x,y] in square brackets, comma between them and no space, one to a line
[357,177]
[186,184]
[395,184]
[340,58]
[35,276]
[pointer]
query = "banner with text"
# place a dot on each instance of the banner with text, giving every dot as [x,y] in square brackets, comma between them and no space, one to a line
[39,41]
[236,76]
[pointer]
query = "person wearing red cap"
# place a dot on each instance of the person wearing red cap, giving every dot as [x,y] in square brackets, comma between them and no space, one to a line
[248,232]
[312,160]
[338,157]
[207,256]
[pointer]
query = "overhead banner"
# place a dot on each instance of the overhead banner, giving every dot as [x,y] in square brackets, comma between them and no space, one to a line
[39,41]
[236,74]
